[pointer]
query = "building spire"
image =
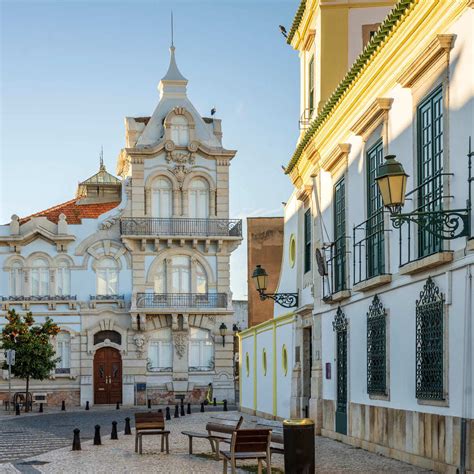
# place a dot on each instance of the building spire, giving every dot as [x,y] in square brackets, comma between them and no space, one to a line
[172,42]
[101,167]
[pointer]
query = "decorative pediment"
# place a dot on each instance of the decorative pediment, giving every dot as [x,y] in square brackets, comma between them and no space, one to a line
[376,114]
[304,193]
[338,156]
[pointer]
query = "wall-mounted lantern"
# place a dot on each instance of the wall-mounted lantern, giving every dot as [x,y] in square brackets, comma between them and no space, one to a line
[223,330]
[260,278]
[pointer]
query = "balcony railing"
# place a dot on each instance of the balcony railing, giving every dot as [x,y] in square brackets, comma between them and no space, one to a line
[40,298]
[181,226]
[181,300]
[305,118]
[335,277]
[106,297]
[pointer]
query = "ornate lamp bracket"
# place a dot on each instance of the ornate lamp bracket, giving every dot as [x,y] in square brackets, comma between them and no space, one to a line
[287,300]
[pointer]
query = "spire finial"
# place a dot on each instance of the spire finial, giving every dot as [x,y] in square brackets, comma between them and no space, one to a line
[172,30]
[102,167]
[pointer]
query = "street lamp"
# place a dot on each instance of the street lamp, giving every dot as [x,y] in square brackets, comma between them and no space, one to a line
[260,278]
[222,330]
[446,224]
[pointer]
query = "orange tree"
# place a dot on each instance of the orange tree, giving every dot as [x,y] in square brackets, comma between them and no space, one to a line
[34,353]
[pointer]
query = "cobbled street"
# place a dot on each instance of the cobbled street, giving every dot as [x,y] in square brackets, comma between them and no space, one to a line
[30,443]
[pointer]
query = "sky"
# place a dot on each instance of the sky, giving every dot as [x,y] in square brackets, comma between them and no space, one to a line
[72,70]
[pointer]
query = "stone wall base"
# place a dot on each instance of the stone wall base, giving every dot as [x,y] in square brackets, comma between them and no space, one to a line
[168,397]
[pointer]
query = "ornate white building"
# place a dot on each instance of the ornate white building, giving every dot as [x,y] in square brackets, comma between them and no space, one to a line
[135,271]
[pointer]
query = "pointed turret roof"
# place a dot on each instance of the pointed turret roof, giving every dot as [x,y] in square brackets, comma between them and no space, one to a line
[173,84]
[173,73]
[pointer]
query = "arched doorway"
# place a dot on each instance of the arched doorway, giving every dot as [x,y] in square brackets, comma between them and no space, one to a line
[107,376]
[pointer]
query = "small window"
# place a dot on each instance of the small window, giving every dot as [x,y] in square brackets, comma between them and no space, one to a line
[307,241]
[40,277]
[16,279]
[112,336]
[63,351]
[201,349]
[179,130]
[63,279]
[311,85]
[160,351]
[107,276]
[264,362]
[284,359]
[247,364]
[292,250]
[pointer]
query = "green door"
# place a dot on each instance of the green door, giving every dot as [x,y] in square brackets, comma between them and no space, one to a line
[340,328]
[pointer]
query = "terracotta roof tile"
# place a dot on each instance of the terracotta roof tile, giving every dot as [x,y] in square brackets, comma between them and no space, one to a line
[74,212]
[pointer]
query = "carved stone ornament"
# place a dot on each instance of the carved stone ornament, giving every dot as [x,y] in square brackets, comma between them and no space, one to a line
[180,342]
[140,341]
[180,171]
[180,157]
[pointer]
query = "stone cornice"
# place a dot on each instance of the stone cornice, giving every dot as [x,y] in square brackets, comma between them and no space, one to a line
[206,151]
[339,153]
[372,117]
[437,50]
[304,193]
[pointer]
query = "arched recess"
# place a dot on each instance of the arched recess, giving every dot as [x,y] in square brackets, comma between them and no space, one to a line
[176,191]
[107,248]
[202,321]
[189,118]
[193,175]
[106,324]
[12,260]
[36,255]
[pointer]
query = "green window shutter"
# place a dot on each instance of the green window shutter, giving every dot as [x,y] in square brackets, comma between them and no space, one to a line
[339,269]
[307,241]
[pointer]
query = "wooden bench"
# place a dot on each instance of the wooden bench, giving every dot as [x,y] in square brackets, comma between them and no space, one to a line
[150,424]
[249,444]
[215,429]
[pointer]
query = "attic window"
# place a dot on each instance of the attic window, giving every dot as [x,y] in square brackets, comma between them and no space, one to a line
[179,130]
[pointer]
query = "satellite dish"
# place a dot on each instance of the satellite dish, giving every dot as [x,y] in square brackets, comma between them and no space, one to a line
[321,262]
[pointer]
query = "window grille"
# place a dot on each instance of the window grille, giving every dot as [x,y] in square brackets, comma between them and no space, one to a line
[307,241]
[430,166]
[376,348]
[429,343]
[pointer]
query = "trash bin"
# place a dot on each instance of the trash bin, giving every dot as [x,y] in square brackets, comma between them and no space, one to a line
[298,440]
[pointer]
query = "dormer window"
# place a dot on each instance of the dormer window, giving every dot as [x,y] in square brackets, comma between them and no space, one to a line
[179,130]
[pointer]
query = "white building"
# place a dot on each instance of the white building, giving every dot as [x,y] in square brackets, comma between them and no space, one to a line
[379,348]
[135,271]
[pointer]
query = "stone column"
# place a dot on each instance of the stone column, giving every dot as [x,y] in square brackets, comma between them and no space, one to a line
[176,203]
[222,204]
[223,273]
[315,402]
[180,359]
[138,195]
[184,203]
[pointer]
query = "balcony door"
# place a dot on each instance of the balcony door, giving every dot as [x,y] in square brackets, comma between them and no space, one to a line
[198,198]
[162,198]
[180,275]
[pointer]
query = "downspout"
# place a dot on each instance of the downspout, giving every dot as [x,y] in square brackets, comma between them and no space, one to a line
[467,372]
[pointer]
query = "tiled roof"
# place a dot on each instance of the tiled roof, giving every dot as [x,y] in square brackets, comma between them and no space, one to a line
[74,212]
[390,24]
[296,21]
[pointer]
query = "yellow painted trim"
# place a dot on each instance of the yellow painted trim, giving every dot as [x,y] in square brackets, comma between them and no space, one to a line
[292,250]
[255,370]
[275,380]
[250,331]
[284,359]
[240,373]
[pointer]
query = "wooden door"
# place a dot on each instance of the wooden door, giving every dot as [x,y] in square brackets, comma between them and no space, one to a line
[107,376]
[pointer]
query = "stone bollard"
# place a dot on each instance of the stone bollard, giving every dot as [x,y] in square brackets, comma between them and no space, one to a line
[225,405]
[202,407]
[189,409]
[76,441]
[63,406]
[182,410]
[168,414]
[214,402]
[149,403]
[87,405]
[17,409]
[40,408]
[114,435]
[127,431]
[97,440]
[117,407]
[176,411]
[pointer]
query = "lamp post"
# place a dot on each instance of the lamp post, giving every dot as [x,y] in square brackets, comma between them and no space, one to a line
[222,330]
[260,279]
[446,224]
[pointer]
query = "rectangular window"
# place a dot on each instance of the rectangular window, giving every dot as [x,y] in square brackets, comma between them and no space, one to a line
[339,262]
[311,85]
[160,354]
[375,227]
[430,166]
[307,241]
[376,348]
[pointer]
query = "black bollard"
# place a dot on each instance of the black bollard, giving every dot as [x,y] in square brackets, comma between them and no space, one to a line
[225,405]
[214,402]
[76,441]
[127,431]
[182,410]
[114,435]
[202,407]
[160,410]
[17,409]
[189,409]
[97,440]
[176,411]
[149,404]
[41,408]
[87,405]
[63,406]
[168,414]
[117,407]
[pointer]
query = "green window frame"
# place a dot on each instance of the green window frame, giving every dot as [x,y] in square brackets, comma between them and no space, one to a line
[376,348]
[430,166]
[307,241]
[311,85]
[339,263]
[430,343]
[375,214]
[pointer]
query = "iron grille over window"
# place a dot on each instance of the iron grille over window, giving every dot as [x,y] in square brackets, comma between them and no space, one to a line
[339,237]
[339,326]
[376,348]
[430,166]
[307,241]
[429,343]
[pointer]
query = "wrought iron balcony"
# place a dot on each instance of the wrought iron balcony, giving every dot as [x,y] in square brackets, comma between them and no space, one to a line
[45,298]
[106,297]
[181,300]
[181,226]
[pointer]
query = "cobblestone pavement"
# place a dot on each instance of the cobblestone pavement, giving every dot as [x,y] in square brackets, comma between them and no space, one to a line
[49,431]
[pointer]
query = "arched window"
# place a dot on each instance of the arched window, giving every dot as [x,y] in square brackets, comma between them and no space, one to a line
[16,279]
[107,276]
[63,351]
[63,278]
[198,198]
[162,198]
[201,349]
[40,277]
[112,336]
[160,351]
[175,275]
[179,130]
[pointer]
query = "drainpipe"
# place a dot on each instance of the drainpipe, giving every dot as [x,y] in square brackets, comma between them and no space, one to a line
[467,372]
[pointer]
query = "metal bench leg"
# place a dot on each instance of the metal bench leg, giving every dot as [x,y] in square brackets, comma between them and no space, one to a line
[162,442]
[140,444]
[225,466]
[136,442]
[190,444]
[167,444]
